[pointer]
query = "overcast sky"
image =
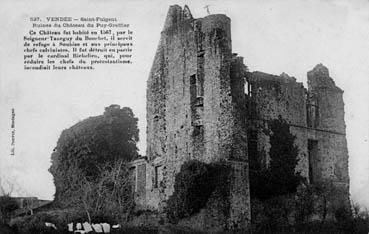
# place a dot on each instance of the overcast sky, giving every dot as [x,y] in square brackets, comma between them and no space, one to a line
[273,36]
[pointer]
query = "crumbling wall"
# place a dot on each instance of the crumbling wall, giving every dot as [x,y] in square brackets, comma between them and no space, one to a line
[197,108]
[192,110]
[169,116]
[316,115]
[274,97]
[330,129]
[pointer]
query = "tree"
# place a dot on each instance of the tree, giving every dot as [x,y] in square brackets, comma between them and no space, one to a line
[7,204]
[192,188]
[88,145]
[280,177]
[284,158]
[197,185]
[110,196]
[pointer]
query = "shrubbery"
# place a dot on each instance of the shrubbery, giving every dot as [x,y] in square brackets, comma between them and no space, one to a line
[90,144]
[279,177]
[108,197]
[194,185]
[271,214]
[281,198]
[89,165]
[295,213]
[35,224]
[7,205]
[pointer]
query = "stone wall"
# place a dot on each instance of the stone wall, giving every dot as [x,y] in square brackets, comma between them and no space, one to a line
[315,116]
[193,109]
[198,108]
[272,96]
[330,129]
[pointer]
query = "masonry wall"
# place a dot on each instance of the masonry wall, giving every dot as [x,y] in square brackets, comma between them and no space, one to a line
[169,117]
[273,96]
[330,129]
[192,107]
[198,108]
[315,116]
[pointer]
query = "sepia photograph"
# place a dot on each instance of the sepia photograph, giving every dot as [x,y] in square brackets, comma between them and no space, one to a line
[183,116]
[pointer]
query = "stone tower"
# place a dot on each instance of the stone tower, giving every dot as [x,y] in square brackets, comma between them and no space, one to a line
[195,100]
[327,115]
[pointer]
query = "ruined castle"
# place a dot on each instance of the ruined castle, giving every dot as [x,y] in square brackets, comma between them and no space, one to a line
[203,103]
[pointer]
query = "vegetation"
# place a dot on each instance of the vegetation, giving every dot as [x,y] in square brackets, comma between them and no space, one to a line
[36,223]
[108,198]
[92,182]
[7,205]
[89,145]
[195,185]
[315,208]
[282,200]
[322,199]
[89,165]
[279,177]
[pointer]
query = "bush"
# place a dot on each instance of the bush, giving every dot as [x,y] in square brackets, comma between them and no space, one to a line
[194,185]
[289,214]
[360,219]
[92,143]
[272,214]
[323,199]
[344,219]
[7,205]
[5,229]
[304,203]
[191,190]
[36,223]
[279,177]
[89,165]
[109,197]
[352,221]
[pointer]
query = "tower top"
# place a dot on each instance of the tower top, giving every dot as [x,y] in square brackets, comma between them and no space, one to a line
[319,77]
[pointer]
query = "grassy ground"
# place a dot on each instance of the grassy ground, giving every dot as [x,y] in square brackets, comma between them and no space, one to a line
[5,229]
[176,230]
